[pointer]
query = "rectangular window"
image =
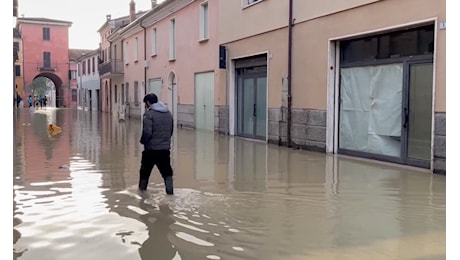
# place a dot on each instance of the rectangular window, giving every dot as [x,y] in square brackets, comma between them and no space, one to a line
[122,93]
[404,43]
[16,46]
[18,70]
[89,66]
[74,95]
[204,21]
[47,59]
[116,93]
[115,51]
[125,53]
[46,34]
[172,39]
[83,68]
[73,74]
[94,65]
[154,42]
[127,92]
[136,47]
[136,93]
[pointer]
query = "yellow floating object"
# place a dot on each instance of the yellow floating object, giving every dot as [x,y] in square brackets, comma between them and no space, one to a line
[54,129]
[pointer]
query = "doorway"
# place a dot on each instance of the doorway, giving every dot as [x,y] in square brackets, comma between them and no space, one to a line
[204,101]
[418,113]
[251,99]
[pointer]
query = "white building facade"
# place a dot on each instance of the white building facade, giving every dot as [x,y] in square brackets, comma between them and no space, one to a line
[89,82]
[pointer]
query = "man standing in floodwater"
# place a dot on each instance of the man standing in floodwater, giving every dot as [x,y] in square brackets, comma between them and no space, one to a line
[156,138]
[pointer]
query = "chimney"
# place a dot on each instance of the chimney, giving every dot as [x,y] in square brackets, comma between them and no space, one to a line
[108,17]
[132,11]
[154,3]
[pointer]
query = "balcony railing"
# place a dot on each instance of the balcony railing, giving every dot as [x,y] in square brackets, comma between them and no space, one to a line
[111,67]
[47,66]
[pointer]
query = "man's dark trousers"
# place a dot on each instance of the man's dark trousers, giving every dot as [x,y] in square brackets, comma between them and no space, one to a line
[150,158]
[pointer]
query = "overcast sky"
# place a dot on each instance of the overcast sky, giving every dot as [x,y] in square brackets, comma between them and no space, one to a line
[86,15]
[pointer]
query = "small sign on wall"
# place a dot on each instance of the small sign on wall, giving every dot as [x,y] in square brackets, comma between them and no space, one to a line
[222,57]
[442,25]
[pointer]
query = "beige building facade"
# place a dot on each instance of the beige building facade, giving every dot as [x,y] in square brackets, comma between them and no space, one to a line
[360,78]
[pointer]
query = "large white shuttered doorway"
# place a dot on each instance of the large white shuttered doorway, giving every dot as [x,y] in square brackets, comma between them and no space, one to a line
[204,101]
[154,86]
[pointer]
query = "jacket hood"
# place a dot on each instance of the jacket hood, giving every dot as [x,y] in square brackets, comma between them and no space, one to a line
[160,107]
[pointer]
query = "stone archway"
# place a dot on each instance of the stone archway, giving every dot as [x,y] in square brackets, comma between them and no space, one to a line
[55,92]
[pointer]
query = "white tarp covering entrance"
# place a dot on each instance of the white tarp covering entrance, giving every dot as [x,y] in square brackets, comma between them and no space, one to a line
[370,109]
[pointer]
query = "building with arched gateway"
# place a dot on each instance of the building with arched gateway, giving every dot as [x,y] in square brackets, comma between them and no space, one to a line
[46,54]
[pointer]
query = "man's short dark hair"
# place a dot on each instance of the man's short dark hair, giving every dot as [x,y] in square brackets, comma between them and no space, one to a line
[151,98]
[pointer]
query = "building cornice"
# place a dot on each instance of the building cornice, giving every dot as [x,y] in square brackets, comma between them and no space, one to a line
[170,7]
[88,55]
[160,12]
[43,21]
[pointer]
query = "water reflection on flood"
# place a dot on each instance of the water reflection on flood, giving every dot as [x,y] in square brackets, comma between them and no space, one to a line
[234,199]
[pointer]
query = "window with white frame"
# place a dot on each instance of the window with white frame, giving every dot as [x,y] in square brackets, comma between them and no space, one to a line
[249,2]
[204,21]
[154,42]
[116,93]
[122,100]
[73,74]
[125,53]
[136,93]
[172,39]
[136,49]
[127,92]
[88,66]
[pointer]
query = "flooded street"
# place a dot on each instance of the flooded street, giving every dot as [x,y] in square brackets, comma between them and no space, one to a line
[75,197]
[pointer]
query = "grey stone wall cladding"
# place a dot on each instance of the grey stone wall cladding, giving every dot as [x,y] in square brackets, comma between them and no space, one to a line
[439,146]
[221,119]
[277,126]
[186,116]
[135,111]
[308,129]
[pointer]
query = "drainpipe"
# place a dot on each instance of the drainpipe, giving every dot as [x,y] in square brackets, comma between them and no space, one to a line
[289,94]
[145,67]
[109,59]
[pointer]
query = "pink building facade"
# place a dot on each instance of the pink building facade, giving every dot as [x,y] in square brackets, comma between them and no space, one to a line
[46,54]
[111,68]
[173,51]
[73,84]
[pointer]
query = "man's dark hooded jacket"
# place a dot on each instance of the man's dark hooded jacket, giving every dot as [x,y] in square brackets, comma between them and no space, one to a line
[157,128]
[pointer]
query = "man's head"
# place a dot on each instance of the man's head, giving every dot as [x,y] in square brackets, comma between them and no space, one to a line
[150,99]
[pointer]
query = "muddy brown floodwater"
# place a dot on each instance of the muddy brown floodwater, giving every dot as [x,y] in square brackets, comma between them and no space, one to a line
[234,198]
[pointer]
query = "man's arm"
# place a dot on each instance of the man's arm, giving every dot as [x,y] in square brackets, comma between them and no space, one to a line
[147,129]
